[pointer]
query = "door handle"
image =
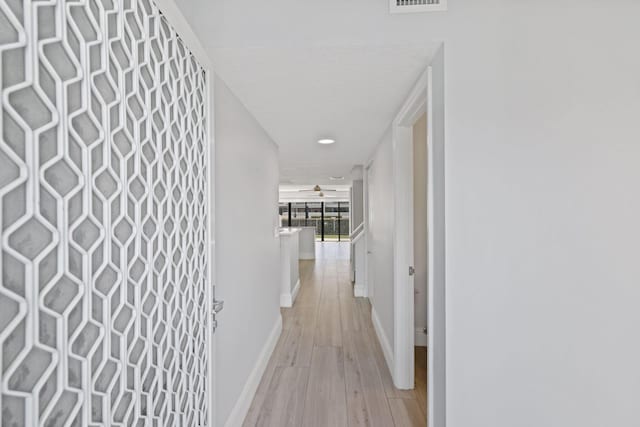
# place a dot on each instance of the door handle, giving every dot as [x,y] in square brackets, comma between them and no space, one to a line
[217,306]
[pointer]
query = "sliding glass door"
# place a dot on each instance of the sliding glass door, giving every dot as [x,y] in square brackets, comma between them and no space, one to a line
[330,219]
[336,221]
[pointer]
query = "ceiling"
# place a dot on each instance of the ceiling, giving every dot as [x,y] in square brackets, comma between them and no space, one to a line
[301,94]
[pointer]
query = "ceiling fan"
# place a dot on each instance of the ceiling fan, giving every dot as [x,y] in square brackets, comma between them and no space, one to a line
[317,189]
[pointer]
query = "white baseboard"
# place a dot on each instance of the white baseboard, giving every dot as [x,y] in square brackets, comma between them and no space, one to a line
[307,256]
[382,338]
[421,339]
[287,300]
[241,408]
[294,293]
[359,291]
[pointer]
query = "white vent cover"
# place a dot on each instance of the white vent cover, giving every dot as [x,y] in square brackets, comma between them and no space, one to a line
[417,6]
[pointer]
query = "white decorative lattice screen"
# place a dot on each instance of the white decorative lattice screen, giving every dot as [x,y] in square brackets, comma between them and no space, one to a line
[103,213]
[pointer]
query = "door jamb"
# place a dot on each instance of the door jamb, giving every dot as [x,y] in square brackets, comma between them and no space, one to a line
[436,242]
[368,289]
[421,99]
[174,16]
[211,294]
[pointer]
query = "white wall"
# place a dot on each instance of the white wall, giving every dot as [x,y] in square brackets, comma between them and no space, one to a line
[420,226]
[247,252]
[380,240]
[543,201]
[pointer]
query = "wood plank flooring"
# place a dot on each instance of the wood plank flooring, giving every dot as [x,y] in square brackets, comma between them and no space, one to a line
[328,369]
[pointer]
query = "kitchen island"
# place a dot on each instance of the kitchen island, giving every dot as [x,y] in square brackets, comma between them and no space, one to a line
[290,274]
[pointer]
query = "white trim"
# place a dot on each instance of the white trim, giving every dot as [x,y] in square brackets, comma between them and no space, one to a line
[382,338]
[421,339]
[415,105]
[287,300]
[430,254]
[436,369]
[368,289]
[211,293]
[359,290]
[403,287]
[241,408]
[295,291]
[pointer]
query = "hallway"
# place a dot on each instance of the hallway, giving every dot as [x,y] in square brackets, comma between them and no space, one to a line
[328,368]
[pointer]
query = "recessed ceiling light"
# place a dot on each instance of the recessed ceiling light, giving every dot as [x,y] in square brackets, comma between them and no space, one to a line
[336,178]
[326,141]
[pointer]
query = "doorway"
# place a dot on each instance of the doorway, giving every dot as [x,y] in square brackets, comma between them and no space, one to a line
[419,249]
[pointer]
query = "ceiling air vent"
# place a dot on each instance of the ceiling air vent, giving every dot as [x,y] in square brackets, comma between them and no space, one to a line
[417,6]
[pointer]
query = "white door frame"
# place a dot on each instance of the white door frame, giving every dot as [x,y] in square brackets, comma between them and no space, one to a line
[420,100]
[403,290]
[436,240]
[367,291]
[175,17]
[211,353]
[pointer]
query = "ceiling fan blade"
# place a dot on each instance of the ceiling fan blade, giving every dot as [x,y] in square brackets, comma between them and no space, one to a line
[316,189]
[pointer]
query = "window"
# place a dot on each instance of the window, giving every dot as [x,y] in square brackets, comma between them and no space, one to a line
[336,221]
[315,217]
[331,219]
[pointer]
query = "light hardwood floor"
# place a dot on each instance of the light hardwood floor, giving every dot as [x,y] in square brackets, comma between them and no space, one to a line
[328,369]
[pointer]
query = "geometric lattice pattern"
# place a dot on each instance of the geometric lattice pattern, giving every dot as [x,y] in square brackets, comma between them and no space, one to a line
[103,217]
